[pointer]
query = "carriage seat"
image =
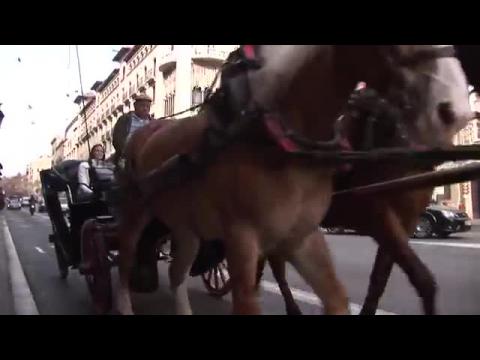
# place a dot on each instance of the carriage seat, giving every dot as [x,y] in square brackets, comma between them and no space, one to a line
[62,177]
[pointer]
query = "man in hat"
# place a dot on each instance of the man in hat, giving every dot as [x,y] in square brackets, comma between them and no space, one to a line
[144,273]
[127,124]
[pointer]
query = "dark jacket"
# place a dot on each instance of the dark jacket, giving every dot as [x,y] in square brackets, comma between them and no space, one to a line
[120,134]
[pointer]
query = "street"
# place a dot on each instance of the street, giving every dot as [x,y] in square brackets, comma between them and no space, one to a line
[455,262]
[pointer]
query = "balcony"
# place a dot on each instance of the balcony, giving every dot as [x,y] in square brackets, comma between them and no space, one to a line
[150,78]
[166,58]
[210,52]
[83,135]
[141,84]
[132,90]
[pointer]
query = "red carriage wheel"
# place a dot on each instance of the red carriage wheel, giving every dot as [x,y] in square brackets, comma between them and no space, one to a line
[95,266]
[217,280]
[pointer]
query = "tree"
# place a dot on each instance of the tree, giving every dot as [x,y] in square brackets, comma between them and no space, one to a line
[16,185]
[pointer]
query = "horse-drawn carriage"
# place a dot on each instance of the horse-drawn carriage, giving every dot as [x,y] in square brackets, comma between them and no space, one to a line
[84,237]
[263,155]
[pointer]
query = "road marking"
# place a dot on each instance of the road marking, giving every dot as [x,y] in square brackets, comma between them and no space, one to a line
[447,244]
[23,301]
[310,298]
[39,249]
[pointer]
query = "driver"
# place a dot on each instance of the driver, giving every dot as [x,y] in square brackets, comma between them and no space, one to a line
[127,124]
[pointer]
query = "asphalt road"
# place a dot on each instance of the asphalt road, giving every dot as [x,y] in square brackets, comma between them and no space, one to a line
[455,263]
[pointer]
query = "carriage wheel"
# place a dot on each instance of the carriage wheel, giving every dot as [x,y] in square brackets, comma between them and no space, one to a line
[217,280]
[96,267]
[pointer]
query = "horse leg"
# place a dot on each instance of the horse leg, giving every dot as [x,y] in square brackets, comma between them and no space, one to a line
[260,268]
[313,262]
[185,246]
[130,229]
[242,250]
[378,281]
[278,267]
[394,238]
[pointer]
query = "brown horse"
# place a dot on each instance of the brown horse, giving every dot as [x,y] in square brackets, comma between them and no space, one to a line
[389,218]
[254,195]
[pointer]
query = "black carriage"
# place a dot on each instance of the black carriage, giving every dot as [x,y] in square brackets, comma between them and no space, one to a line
[84,237]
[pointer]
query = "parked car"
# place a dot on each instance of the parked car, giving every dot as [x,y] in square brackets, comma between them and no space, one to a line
[26,201]
[14,204]
[442,221]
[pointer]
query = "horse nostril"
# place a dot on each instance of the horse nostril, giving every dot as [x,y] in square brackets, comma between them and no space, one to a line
[446,113]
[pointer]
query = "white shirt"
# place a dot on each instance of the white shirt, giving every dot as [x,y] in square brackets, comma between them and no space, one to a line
[84,178]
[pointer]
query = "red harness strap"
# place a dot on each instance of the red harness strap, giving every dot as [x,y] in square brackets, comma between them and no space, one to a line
[249,52]
[278,134]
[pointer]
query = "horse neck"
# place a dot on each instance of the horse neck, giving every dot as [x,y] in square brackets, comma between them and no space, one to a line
[315,102]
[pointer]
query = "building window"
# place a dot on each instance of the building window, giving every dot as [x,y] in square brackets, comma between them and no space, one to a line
[153,94]
[154,66]
[169,104]
[197,96]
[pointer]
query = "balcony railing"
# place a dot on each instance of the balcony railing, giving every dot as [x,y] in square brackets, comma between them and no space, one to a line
[210,51]
[166,57]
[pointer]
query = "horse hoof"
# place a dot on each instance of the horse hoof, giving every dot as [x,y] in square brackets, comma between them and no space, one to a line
[367,312]
[294,311]
[120,311]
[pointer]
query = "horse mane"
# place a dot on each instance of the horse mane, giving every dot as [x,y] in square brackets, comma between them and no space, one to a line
[280,65]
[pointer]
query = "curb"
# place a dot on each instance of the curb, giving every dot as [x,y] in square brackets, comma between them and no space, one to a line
[23,301]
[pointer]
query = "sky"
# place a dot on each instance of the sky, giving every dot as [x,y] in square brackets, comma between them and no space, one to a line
[34,84]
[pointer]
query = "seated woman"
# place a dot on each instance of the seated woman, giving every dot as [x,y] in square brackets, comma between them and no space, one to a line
[95,160]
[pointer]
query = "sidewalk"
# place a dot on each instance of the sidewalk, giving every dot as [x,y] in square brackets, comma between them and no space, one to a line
[476,225]
[6,297]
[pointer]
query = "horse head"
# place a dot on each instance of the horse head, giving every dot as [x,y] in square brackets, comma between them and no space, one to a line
[311,84]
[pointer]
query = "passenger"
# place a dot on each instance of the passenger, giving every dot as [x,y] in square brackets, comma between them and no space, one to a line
[96,159]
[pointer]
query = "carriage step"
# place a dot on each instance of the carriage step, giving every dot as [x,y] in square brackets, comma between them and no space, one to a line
[106,219]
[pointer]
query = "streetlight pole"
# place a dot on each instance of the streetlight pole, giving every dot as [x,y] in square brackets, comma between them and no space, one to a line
[83,100]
